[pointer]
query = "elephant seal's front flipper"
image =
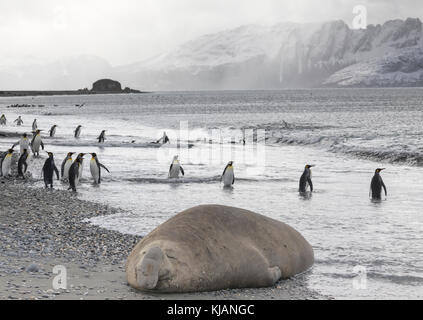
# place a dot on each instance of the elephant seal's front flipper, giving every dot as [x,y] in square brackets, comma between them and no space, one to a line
[275,274]
[148,268]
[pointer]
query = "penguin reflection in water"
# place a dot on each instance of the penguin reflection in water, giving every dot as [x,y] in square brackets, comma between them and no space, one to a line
[49,169]
[174,169]
[228,176]
[305,180]
[376,185]
[95,168]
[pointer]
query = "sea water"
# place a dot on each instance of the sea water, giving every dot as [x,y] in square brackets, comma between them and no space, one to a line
[363,249]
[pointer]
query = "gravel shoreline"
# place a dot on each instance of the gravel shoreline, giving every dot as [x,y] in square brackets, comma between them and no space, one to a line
[42,228]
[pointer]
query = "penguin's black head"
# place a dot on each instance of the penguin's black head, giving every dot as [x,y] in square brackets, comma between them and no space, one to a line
[50,154]
[10,151]
[81,155]
[230,163]
[378,170]
[24,135]
[70,154]
[308,166]
[93,154]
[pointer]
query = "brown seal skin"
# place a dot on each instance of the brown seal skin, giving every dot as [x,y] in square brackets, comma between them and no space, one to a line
[213,247]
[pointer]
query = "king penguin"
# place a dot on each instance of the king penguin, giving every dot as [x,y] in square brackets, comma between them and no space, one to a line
[49,169]
[52,130]
[175,167]
[66,164]
[228,176]
[36,143]
[77,131]
[305,180]
[81,165]
[95,168]
[376,185]
[6,163]
[74,172]
[34,125]
[22,165]
[102,136]
[23,143]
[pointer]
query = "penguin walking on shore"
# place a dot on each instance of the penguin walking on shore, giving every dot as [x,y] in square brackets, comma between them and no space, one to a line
[174,169]
[77,131]
[52,131]
[95,168]
[102,136]
[377,184]
[34,125]
[66,164]
[49,169]
[74,172]
[6,163]
[23,143]
[18,121]
[305,180]
[36,143]
[228,176]
[22,164]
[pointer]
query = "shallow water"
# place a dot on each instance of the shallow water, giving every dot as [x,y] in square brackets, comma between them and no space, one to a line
[345,133]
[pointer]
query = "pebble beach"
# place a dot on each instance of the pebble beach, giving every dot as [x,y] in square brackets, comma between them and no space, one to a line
[42,228]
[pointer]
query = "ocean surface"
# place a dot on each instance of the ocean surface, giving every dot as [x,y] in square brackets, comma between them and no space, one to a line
[363,249]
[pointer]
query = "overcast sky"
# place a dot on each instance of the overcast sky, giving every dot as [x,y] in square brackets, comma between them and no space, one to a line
[127,31]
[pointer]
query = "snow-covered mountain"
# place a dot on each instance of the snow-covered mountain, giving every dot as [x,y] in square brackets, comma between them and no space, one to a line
[250,57]
[288,55]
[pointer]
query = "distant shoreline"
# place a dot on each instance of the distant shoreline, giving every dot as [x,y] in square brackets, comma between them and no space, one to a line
[26,93]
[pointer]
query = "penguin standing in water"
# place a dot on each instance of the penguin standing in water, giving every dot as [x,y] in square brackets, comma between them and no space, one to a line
[36,143]
[22,165]
[6,163]
[228,176]
[74,172]
[102,136]
[164,138]
[305,180]
[48,169]
[23,143]
[81,165]
[95,168]
[66,164]
[34,125]
[174,169]
[377,184]
[52,130]
[77,131]
[3,120]
[18,121]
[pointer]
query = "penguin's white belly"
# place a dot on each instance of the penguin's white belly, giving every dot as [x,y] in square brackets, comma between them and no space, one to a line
[66,169]
[95,171]
[36,144]
[228,177]
[24,145]
[174,172]
[6,165]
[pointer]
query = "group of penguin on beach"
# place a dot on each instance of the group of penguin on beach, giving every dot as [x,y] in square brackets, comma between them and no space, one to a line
[71,170]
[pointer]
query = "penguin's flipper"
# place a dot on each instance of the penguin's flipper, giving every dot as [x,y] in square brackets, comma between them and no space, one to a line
[310,184]
[182,170]
[103,166]
[42,145]
[57,171]
[233,180]
[384,188]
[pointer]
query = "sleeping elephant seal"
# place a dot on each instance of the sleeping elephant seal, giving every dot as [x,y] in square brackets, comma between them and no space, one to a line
[214,247]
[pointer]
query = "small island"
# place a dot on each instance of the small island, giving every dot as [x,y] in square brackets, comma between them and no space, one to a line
[102,86]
